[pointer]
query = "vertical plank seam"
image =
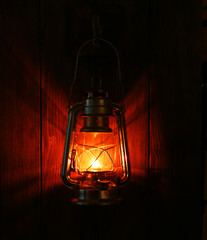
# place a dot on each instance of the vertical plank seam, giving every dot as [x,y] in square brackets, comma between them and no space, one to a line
[203,141]
[40,102]
[149,120]
[203,125]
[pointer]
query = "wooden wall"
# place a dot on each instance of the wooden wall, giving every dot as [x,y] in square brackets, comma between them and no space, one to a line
[160,48]
[20,119]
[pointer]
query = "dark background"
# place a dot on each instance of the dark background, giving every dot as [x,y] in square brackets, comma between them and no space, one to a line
[160,48]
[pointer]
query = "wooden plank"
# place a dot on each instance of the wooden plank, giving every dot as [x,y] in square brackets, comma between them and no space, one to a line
[20,120]
[175,166]
[60,218]
[56,77]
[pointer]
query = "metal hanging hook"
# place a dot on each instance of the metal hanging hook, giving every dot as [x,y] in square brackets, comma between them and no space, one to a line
[77,60]
[97,28]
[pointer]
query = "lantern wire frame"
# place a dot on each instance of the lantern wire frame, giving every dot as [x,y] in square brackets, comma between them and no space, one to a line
[77,61]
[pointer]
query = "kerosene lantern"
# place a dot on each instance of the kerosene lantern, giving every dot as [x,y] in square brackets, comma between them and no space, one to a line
[96,160]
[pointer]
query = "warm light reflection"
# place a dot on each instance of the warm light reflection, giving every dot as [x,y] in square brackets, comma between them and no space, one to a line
[136,115]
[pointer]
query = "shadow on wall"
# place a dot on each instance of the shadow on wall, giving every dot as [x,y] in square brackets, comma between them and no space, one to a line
[20,215]
[127,220]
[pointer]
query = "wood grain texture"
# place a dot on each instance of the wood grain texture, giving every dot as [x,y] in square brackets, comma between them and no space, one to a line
[175,166]
[55,77]
[20,120]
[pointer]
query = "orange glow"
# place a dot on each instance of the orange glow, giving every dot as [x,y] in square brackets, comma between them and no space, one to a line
[94,158]
[98,155]
[136,105]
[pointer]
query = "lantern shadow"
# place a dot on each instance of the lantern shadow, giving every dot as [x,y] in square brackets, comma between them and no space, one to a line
[126,220]
[20,214]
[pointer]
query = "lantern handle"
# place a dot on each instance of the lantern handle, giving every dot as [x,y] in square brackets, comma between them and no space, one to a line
[77,60]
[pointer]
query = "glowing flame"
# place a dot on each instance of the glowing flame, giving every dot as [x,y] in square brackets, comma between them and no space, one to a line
[91,158]
[95,166]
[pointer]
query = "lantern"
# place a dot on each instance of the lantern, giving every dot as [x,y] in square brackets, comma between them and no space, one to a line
[96,161]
